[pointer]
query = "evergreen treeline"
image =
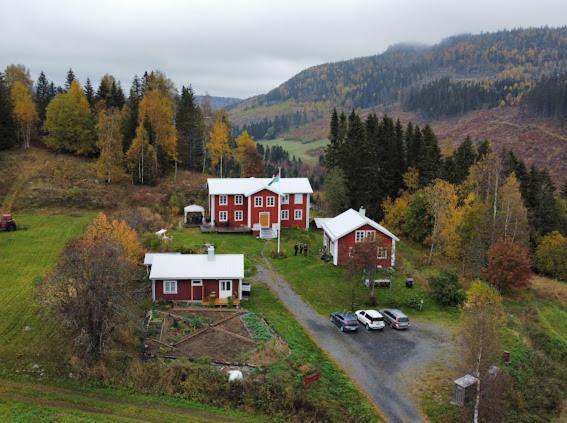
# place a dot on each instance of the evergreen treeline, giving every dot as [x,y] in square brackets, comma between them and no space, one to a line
[374,154]
[369,81]
[549,96]
[445,97]
[269,129]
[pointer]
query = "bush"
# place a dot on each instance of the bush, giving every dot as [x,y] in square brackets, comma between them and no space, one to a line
[415,302]
[508,265]
[446,289]
[551,255]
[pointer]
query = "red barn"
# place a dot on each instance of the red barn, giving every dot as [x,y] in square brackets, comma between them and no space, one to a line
[341,233]
[196,277]
[254,204]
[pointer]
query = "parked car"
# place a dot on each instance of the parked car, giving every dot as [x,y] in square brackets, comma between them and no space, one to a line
[370,319]
[395,318]
[345,321]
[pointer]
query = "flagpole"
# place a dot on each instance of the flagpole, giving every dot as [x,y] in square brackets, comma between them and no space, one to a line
[279,209]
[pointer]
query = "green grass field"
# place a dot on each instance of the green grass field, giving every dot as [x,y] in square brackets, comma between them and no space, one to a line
[24,255]
[308,151]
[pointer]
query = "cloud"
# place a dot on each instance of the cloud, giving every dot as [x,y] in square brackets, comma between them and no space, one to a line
[235,48]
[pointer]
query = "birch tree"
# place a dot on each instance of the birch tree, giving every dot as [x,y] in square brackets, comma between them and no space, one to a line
[218,147]
[25,111]
[111,159]
[442,201]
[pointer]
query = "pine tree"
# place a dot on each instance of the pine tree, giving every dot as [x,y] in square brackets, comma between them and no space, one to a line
[396,154]
[130,120]
[44,93]
[7,124]
[464,156]
[429,159]
[189,123]
[333,147]
[483,149]
[69,80]
[449,170]
[413,145]
[116,97]
[353,149]
[89,93]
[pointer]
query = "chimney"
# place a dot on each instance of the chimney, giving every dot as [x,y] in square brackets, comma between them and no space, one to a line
[211,253]
[362,211]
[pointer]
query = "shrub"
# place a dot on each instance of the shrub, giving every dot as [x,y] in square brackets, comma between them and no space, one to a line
[414,302]
[446,289]
[551,255]
[508,265]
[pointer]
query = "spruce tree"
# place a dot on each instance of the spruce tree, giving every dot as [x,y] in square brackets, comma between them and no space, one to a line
[333,147]
[115,98]
[483,149]
[465,156]
[130,121]
[449,171]
[396,154]
[7,124]
[413,145]
[69,80]
[429,159]
[89,93]
[352,151]
[189,123]
[44,93]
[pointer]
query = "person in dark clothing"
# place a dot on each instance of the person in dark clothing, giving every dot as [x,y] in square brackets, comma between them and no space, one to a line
[296,247]
[305,249]
[301,248]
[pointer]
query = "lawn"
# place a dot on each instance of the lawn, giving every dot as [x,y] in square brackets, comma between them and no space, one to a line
[308,151]
[24,256]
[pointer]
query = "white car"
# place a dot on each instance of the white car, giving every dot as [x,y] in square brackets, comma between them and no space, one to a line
[370,319]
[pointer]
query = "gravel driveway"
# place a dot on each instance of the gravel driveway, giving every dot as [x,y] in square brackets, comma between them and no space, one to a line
[381,363]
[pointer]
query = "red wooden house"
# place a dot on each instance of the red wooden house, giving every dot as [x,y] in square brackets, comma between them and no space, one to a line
[254,203]
[196,277]
[341,233]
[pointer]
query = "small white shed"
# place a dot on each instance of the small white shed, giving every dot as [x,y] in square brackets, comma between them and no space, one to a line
[194,214]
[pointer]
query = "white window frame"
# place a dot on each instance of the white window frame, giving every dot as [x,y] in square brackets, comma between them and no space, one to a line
[295,214]
[359,236]
[238,199]
[236,218]
[285,199]
[370,235]
[221,214]
[223,200]
[298,199]
[382,253]
[258,203]
[196,282]
[285,214]
[271,201]
[169,287]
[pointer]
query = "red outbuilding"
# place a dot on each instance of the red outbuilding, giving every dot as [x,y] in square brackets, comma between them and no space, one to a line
[196,277]
[259,204]
[342,232]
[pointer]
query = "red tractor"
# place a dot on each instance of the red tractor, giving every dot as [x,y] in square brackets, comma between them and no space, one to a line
[7,223]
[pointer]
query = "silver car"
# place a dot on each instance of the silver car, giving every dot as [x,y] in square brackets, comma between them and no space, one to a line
[395,318]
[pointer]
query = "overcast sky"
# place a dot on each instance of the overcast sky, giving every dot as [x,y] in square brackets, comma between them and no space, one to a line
[235,47]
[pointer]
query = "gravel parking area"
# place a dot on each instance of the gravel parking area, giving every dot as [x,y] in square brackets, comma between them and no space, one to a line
[382,363]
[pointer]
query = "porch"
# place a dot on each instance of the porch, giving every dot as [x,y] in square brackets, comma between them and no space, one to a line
[225,229]
[220,302]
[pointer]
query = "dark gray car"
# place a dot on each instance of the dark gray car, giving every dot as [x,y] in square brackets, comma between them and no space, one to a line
[395,318]
[345,321]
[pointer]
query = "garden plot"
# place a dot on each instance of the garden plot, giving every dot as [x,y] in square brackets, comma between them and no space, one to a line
[234,337]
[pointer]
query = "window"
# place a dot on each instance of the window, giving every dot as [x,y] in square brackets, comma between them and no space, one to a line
[226,285]
[223,200]
[298,199]
[382,253]
[359,236]
[258,201]
[371,235]
[170,287]
[197,282]
[285,199]
[223,216]
[270,201]
[238,215]
[285,214]
[298,214]
[238,200]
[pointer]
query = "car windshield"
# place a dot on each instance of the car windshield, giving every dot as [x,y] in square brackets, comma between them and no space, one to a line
[376,319]
[403,319]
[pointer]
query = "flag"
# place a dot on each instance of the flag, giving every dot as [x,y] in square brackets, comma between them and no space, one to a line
[276,178]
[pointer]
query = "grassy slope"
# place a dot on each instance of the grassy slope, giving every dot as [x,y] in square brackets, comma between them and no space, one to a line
[25,254]
[307,151]
[24,401]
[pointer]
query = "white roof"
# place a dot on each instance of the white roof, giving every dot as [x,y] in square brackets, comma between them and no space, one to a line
[466,381]
[249,186]
[148,258]
[349,221]
[197,266]
[194,208]
[319,221]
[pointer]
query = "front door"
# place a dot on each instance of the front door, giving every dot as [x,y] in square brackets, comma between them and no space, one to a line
[225,289]
[264,220]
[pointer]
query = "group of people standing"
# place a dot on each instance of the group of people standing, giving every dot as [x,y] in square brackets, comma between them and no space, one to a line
[301,248]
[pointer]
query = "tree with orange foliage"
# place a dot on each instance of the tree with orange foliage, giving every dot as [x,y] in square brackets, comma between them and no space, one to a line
[248,157]
[118,231]
[25,111]
[508,265]
[218,146]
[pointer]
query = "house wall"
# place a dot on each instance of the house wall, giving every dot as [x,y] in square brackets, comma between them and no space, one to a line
[292,206]
[231,207]
[255,211]
[187,293]
[349,240]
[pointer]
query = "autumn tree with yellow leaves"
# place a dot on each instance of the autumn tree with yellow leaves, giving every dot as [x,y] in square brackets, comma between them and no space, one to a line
[109,165]
[25,111]
[142,159]
[219,147]
[249,159]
